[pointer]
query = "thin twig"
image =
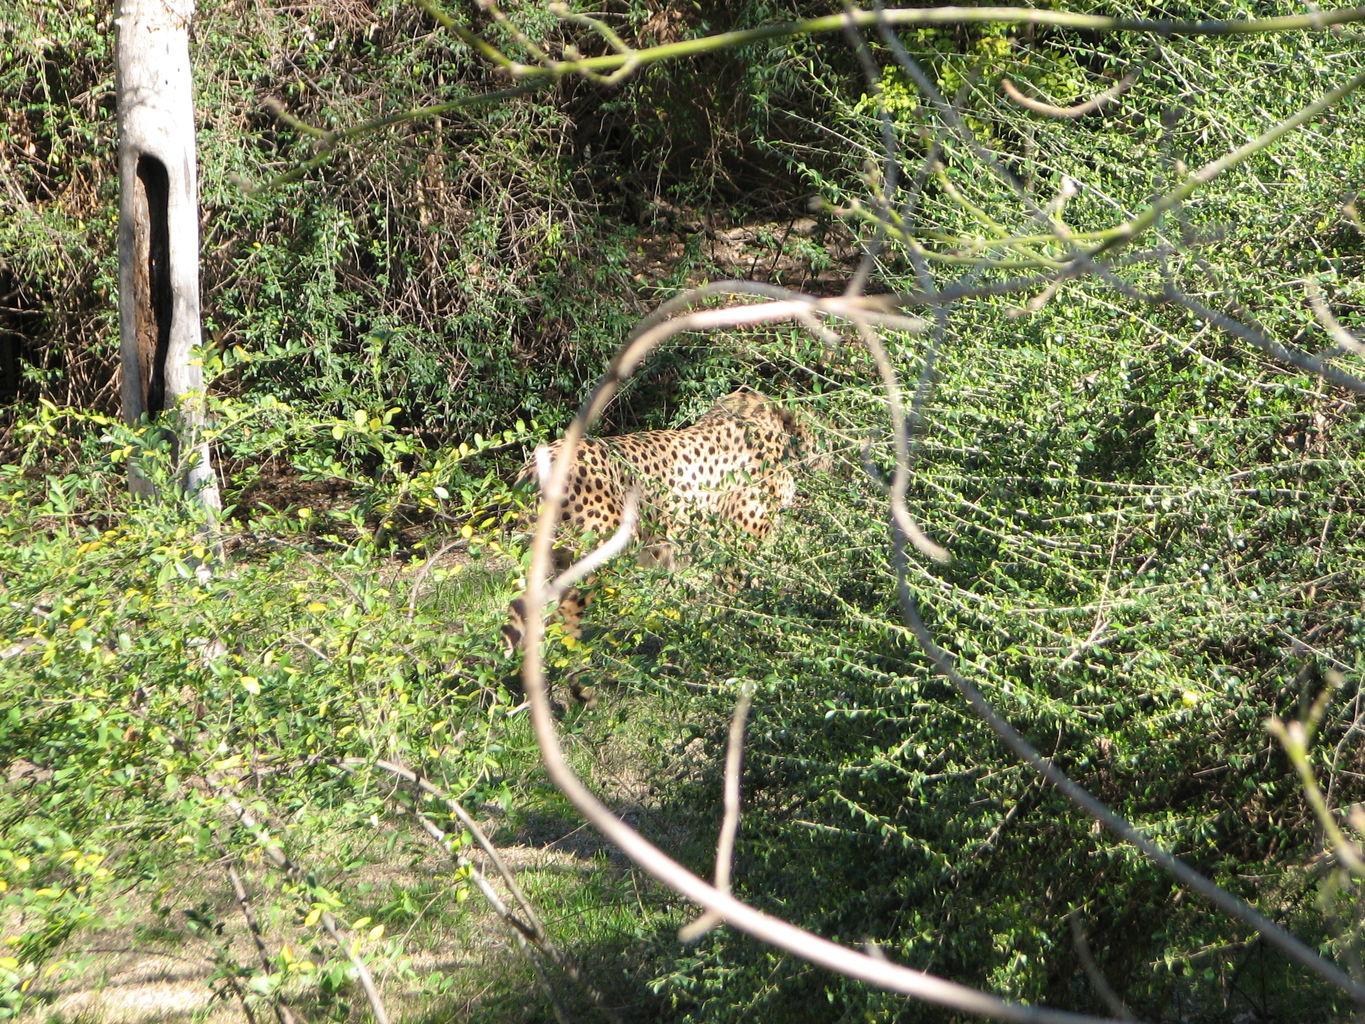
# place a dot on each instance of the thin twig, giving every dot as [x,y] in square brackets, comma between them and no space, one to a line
[329,141]
[528,937]
[1345,340]
[1090,106]
[527,926]
[282,1010]
[729,826]
[427,564]
[1311,364]
[1295,738]
[1092,970]
[466,821]
[276,855]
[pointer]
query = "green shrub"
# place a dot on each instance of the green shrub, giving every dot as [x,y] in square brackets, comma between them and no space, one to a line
[1152,525]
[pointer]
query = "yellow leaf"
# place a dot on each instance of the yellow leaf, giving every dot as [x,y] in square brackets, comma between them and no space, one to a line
[312,917]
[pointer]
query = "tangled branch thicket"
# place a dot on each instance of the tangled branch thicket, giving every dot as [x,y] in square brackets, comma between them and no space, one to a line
[1081,258]
[1004,675]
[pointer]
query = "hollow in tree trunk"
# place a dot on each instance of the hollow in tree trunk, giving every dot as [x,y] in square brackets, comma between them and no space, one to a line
[159,238]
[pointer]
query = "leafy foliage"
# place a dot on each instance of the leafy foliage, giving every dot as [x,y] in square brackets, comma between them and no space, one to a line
[1154,528]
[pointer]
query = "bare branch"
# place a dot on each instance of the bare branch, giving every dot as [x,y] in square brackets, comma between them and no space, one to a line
[1345,340]
[1090,106]
[466,821]
[1295,739]
[282,1010]
[329,141]
[900,511]
[527,926]
[609,35]
[780,933]
[603,553]
[1135,226]
[729,826]
[276,855]
[427,564]
[899,18]
[1092,970]
[1268,345]
[1290,945]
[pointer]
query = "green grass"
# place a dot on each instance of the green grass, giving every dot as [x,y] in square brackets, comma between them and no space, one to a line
[292,686]
[1155,533]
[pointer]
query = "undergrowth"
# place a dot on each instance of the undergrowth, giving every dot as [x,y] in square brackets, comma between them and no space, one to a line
[1154,531]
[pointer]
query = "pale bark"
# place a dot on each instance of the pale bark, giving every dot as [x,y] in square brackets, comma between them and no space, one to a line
[159,234]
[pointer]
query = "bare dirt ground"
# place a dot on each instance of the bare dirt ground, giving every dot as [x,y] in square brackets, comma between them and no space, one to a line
[120,977]
[805,253]
[148,971]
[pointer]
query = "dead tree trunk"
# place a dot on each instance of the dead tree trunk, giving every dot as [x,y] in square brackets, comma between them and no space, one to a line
[159,237]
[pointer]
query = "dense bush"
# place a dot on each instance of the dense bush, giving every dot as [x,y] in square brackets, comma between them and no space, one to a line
[1144,517]
[1154,526]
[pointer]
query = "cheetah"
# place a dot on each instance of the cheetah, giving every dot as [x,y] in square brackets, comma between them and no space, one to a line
[736,466]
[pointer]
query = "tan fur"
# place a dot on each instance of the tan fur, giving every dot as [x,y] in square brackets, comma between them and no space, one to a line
[735,465]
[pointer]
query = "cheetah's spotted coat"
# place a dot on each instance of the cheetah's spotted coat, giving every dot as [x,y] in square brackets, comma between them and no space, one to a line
[735,465]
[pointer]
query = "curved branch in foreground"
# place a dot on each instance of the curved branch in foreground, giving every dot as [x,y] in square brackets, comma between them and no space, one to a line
[1090,106]
[874,970]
